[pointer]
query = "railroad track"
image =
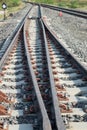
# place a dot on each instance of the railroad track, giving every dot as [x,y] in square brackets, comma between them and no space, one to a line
[55,67]
[36,48]
[70,79]
[78,13]
[41,83]
[18,102]
[69,11]
[70,86]
[21,104]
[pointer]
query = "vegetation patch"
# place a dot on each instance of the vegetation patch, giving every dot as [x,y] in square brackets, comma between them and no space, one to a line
[11,3]
[13,6]
[81,4]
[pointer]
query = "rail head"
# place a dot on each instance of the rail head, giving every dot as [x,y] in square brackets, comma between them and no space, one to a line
[46,121]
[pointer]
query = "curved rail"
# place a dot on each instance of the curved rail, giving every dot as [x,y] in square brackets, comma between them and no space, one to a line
[74,60]
[77,62]
[59,121]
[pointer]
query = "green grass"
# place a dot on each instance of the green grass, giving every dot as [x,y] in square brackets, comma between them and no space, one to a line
[12,6]
[10,3]
[73,4]
[81,4]
[43,1]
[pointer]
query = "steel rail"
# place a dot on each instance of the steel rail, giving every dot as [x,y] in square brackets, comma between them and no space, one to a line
[69,53]
[69,11]
[13,39]
[59,122]
[53,115]
[73,10]
[81,67]
[46,121]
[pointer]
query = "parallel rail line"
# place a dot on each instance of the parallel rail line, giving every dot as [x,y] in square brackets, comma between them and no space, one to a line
[39,64]
[28,103]
[46,122]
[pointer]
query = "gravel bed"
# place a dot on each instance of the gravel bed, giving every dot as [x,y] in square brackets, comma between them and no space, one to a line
[34,12]
[72,29]
[9,25]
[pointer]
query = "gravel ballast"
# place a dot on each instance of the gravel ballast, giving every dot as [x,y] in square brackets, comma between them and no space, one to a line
[72,29]
[8,26]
